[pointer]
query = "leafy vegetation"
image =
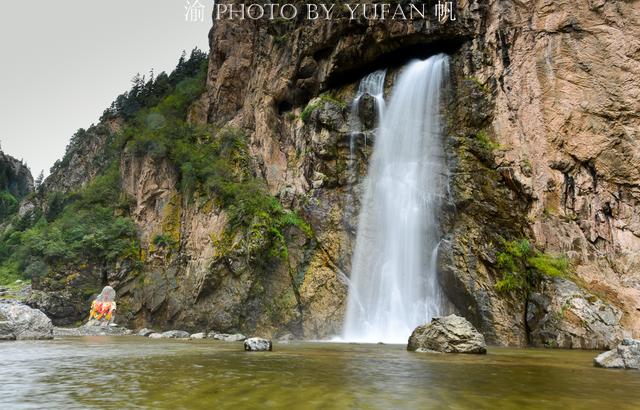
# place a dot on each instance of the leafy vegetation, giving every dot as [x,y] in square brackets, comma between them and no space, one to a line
[485,142]
[88,230]
[523,268]
[8,205]
[91,227]
[319,102]
[148,93]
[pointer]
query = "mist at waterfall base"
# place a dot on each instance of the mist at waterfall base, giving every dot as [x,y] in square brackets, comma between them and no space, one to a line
[393,283]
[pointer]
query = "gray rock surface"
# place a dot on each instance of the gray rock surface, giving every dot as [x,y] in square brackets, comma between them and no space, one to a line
[567,316]
[155,336]
[91,328]
[175,334]
[625,356]
[237,337]
[199,336]
[450,334]
[145,332]
[20,322]
[59,306]
[257,344]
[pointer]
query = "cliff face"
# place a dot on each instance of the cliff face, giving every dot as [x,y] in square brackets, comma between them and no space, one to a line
[15,177]
[550,83]
[541,142]
[16,182]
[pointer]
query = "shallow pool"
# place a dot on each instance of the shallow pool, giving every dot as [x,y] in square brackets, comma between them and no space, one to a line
[135,372]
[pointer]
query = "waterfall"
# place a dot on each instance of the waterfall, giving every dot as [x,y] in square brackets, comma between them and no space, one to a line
[394,285]
[372,85]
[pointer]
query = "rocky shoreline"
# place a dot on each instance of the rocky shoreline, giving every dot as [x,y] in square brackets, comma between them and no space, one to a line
[451,334]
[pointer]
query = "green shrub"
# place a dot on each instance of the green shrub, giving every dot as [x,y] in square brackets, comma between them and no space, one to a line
[87,229]
[163,241]
[322,99]
[485,142]
[523,268]
[8,205]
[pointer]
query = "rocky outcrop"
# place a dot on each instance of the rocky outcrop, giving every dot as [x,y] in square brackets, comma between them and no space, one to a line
[625,356]
[565,315]
[15,177]
[450,334]
[59,306]
[257,344]
[20,322]
[85,158]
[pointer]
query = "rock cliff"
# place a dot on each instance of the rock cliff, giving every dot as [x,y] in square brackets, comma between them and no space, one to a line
[542,128]
[15,177]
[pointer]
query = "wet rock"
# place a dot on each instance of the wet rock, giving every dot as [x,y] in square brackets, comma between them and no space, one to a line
[20,322]
[625,356]
[145,332]
[450,334]
[567,316]
[238,337]
[59,306]
[257,344]
[199,336]
[175,334]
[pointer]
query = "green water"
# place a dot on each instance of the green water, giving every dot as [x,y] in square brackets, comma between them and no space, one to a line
[133,372]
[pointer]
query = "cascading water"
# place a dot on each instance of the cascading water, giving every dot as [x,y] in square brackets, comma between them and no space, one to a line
[373,86]
[394,285]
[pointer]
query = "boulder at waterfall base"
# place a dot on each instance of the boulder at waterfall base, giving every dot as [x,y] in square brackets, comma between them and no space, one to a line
[450,334]
[257,344]
[625,356]
[20,322]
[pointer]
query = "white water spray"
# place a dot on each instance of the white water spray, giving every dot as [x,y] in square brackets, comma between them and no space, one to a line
[394,285]
[373,86]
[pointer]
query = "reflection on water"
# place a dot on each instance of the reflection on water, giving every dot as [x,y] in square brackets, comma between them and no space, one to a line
[131,372]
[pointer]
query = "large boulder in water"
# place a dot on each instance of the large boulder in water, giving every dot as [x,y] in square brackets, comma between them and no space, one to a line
[257,344]
[20,322]
[450,334]
[625,356]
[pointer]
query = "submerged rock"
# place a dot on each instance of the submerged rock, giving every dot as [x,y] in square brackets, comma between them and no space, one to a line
[20,322]
[450,334]
[145,332]
[238,337]
[625,356]
[257,344]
